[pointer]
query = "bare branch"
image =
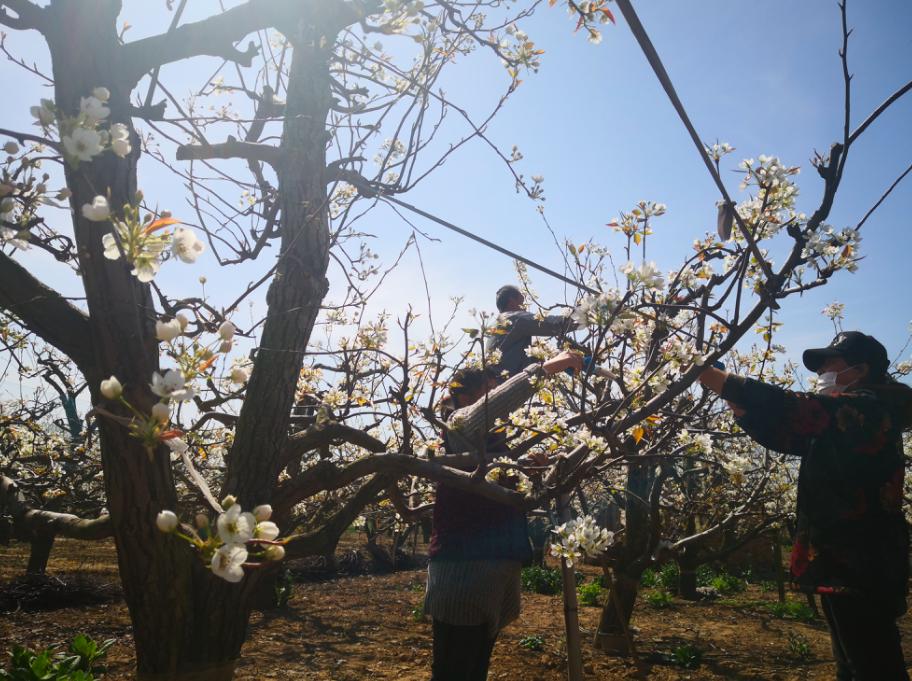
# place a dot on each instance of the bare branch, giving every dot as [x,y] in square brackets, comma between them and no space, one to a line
[44,311]
[47,522]
[233,148]
[29,16]
[216,35]
[879,110]
[324,540]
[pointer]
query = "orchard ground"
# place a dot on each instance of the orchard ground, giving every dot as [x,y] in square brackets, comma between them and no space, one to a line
[369,627]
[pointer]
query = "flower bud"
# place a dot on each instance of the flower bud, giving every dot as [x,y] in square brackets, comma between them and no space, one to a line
[182,320]
[229,501]
[262,512]
[225,346]
[111,388]
[166,521]
[11,148]
[167,331]
[101,93]
[201,520]
[161,412]
[226,331]
[275,552]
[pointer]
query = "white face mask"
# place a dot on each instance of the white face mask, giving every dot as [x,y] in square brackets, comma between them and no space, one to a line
[826,382]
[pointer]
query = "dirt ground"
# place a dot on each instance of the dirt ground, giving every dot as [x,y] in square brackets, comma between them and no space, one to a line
[369,627]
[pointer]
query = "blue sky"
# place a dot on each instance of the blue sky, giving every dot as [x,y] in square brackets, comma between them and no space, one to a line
[764,77]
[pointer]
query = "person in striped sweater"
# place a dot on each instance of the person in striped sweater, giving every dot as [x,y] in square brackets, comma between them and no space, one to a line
[478,545]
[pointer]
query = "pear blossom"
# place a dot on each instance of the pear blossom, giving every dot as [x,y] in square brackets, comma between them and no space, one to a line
[141,247]
[228,562]
[172,386]
[120,140]
[266,530]
[167,331]
[185,245]
[101,93]
[15,238]
[111,388]
[578,537]
[98,210]
[166,521]
[83,144]
[262,512]
[93,108]
[235,526]
[240,375]
[182,320]
[44,113]
[226,330]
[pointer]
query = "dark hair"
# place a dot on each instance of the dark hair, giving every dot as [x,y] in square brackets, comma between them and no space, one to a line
[470,380]
[505,294]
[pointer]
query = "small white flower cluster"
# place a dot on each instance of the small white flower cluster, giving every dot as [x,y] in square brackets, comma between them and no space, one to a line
[828,248]
[717,151]
[507,475]
[647,275]
[81,137]
[597,309]
[697,444]
[834,311]
[142,242]
[580,537]
[226,549]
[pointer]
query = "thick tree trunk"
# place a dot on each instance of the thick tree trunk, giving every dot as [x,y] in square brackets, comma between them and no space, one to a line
[39,554]
[618,609]
[687,579]
[186,622]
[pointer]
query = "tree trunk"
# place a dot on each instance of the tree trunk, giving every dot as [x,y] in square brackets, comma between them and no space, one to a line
[39,554]
[618,609]
[186,622]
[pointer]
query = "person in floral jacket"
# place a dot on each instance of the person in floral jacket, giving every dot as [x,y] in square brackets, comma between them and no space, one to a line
[852,543]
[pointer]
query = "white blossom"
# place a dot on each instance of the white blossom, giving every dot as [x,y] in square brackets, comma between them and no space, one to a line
[101,94]
[266,530]
[239,375]
[172,386]
[44,113]
[262,512]
[83,144]
[93,108]
[186,245]
[235,526]
[580,537]
[120,140]
[98,210]
[226,330]
[167,331]
[228,562]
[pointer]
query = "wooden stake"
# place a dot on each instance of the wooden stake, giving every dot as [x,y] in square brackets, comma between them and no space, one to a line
[571,607]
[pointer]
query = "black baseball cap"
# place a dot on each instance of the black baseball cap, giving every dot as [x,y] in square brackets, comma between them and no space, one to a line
[854,347]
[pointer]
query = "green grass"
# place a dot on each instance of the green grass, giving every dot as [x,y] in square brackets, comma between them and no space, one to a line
[795,610]
[660,599]
[532,642]
[590,594]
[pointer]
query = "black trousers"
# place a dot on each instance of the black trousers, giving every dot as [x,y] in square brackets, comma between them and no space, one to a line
[461,653]
[865,639]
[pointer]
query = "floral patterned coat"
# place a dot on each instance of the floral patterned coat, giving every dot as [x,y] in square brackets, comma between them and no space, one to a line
[852,535]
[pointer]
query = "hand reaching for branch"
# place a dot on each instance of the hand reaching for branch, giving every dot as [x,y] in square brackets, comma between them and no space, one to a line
[563,360]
